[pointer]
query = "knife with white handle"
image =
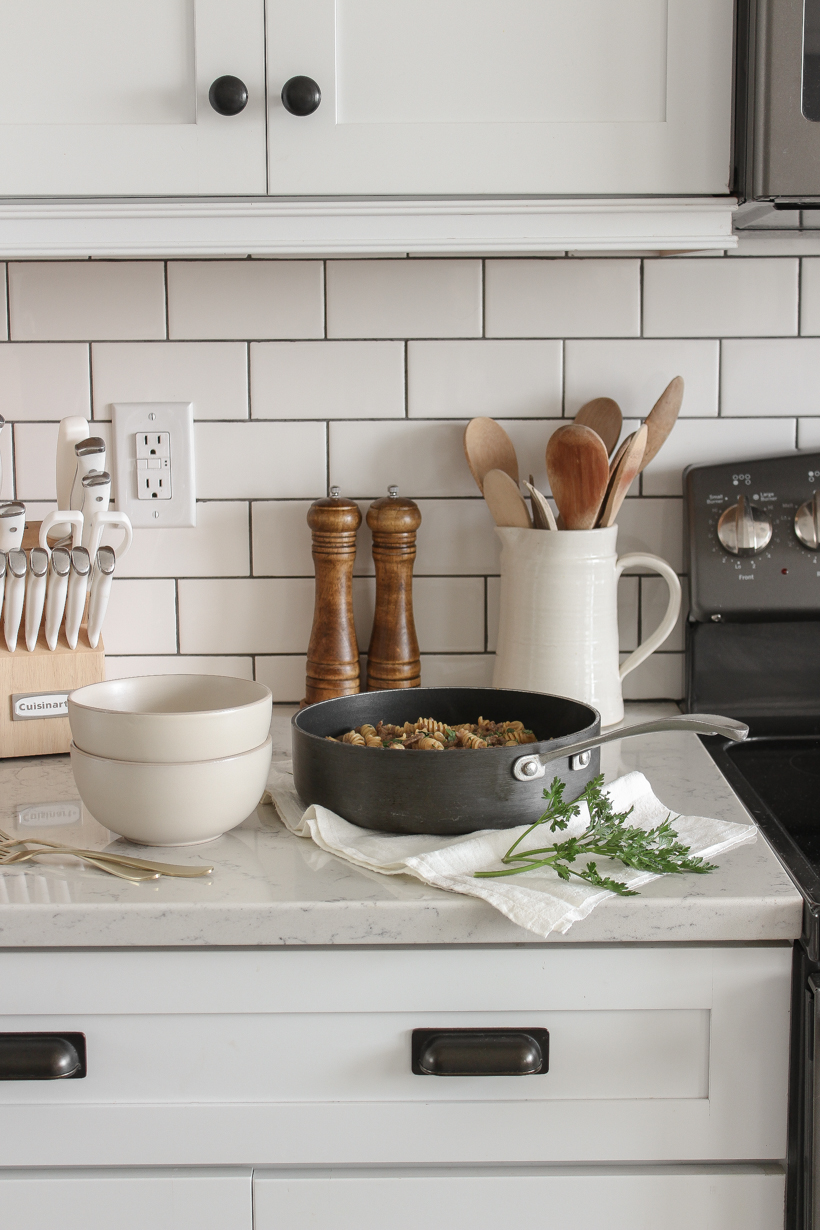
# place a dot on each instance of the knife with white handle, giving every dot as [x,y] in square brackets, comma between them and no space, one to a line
[77,590]
[71,431]
[101,578]
[96,498]
[16,569]
[62,521]
[90,454]
[35,594]
[12,524]
[99,522]
[59,568]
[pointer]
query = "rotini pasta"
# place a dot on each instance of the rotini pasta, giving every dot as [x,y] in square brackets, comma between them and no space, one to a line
[428,735]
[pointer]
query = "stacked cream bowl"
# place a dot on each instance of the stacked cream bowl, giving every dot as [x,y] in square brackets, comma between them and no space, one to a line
[171,760]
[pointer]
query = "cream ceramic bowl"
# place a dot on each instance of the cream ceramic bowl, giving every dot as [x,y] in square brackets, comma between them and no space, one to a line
[168,719]
[171,804]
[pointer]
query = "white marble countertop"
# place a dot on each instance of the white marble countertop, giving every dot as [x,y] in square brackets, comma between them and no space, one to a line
[270,888]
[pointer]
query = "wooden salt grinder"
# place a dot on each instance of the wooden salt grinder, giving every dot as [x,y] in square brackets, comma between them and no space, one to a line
[393,656]
[333,652]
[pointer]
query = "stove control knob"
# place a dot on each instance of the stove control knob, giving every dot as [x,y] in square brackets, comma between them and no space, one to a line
[744,529]
[807,523]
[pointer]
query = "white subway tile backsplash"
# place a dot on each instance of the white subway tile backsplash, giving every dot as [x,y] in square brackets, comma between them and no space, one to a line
[44,380]
[765,376]
[245,616]
[635,371]
[284,674]
[281,539]
[660,677]
[327,380]
[7,462]
[86,300]
[706,441]
[217,546]
[212,375]
[177,664]
[245,299]
[259,460]
[810,296]
[35,446]
[448,612]
[422,459]
[404,298]
[141,618]
[720,298]
[653,527]
[654,601]
[562,298]
[441,670]
[470,379]
[808,433]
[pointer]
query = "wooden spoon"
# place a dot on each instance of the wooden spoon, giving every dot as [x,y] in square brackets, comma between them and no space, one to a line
[578,471]
[505,501]
[488,447]
[542,515]
[624,473]
[662,417]
[603,415]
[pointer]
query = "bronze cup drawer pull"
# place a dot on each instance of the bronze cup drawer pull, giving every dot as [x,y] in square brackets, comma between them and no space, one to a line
[480,1052]
[41,1057]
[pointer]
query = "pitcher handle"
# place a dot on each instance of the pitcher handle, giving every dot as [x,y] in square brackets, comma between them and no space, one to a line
[653,642]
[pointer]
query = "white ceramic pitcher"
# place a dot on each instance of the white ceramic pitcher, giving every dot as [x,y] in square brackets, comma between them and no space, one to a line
[558,630]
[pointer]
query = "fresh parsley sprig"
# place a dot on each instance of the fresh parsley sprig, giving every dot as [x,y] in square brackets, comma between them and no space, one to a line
[608,835]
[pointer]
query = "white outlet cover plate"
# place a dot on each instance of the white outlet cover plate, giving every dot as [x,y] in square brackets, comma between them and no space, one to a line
[177,418]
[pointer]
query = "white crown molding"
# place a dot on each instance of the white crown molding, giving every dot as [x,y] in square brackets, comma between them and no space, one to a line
[346,227]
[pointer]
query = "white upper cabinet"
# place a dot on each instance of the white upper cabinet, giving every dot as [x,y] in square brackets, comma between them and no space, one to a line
[111,97]
[502,96]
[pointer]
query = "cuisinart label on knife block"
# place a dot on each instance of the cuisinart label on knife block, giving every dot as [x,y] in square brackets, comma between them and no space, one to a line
[25,706]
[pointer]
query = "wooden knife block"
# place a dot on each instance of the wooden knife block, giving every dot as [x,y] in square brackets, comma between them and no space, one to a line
[42,671]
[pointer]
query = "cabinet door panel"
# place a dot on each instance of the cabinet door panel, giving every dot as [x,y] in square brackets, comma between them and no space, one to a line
[677,1198]
[476,96]
[168,1199]
[112,99]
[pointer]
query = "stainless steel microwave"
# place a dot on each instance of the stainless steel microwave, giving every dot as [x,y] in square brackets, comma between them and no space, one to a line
[777,114]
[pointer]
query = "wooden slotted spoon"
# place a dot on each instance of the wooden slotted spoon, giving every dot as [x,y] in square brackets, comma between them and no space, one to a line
[626,466]
[505,501]
[578,472]
[488,447]
[604,416]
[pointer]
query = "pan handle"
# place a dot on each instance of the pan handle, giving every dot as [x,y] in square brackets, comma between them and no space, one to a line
[526,768]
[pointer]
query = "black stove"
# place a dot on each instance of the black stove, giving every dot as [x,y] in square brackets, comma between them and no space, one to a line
[753,653]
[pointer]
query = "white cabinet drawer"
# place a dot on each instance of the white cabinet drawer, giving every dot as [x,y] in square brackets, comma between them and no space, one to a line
[675,1198]
[166,1199]
[304,1057]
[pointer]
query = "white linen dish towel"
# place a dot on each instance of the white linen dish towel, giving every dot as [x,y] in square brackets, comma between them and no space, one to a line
[538,900]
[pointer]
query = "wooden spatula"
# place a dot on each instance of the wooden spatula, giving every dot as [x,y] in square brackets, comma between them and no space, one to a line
[543,517]
[662,417]
[488,447]
[603,415]
[625,469]
[578,471]
[505,501]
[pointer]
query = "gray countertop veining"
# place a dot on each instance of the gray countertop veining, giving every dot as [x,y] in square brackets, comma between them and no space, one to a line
[271,888]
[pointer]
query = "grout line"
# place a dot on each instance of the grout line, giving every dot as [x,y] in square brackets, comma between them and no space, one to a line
[165,292]
[248,397]
[250,538]
[799,298]
[324,300]
[327,458]
[483,297]
[176,612]
[640,294]
[8,302]
[406,381]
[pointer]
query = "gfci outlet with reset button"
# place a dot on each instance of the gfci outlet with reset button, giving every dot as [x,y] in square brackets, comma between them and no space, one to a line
[154,463]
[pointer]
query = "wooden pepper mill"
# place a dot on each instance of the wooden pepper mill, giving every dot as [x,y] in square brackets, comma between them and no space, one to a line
[333,652]
[393,656]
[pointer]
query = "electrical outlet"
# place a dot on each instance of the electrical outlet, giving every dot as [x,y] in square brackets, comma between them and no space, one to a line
[154,463]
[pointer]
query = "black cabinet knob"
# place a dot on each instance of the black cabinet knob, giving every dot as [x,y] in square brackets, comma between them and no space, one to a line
[228,95]
[301,96]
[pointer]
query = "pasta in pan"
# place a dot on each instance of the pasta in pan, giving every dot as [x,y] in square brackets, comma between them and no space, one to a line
[428,735]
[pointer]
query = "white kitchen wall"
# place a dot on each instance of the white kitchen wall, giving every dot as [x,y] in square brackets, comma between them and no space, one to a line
[362,373]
